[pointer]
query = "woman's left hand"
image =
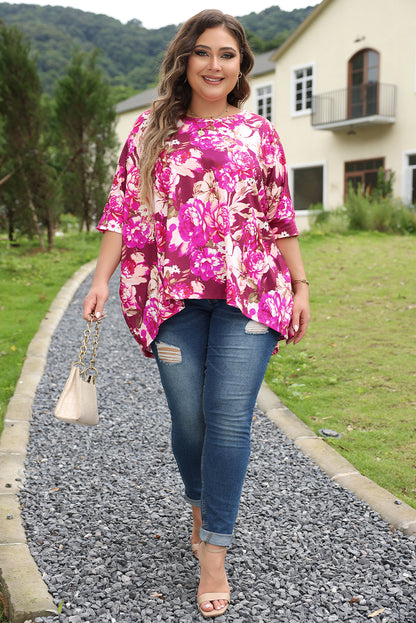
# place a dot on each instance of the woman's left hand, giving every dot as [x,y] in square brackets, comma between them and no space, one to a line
[289,248]
[300,316]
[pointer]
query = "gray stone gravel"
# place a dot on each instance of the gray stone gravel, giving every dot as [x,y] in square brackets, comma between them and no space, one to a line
[109,530]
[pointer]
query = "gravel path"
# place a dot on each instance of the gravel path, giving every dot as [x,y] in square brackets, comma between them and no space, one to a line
[109,530]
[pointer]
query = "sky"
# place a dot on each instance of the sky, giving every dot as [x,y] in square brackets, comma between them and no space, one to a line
[164,12]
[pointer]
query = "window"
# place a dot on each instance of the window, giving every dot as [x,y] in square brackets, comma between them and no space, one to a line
[265,101]
[308,184]
[409,194]
[303,89]
[363,173]
[363,89]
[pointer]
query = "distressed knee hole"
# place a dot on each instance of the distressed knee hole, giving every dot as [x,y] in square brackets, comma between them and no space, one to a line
[253,327]
[168,353]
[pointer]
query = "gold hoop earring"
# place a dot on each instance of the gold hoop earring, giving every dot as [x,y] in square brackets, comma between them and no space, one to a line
[238,79]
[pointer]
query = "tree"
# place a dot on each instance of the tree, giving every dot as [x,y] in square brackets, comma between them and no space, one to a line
[85,119]
[54,31]
[26,183]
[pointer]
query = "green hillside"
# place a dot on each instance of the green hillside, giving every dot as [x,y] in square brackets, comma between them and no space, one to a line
[130,54]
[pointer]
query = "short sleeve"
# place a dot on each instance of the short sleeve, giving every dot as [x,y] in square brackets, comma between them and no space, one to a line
[279,205]
[124,197]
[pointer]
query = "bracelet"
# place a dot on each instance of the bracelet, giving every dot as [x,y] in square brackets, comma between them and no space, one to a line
[300,281]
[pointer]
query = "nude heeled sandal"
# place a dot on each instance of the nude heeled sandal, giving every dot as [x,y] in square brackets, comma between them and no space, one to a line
[206,597]
[195,549]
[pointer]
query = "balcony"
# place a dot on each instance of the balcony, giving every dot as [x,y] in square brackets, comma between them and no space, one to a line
[364,105]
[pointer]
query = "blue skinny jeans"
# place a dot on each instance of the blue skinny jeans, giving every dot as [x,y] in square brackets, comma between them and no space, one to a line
[212,361]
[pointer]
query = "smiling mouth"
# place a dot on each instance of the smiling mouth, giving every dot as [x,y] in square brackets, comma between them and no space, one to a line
[212,80]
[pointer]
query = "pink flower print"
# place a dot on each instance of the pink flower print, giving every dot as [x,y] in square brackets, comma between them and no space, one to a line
[286,207]
[269,307]
[227,178]
[272,150]
[251,235]
[141,123]
[151,316]
[256,264]
[132,191]
[283,283]
[269,153]
[137,232]
[128,298]
[208,191]
[192,226]
[185,163]
[280,170]
[244,164]
[282,157]
[232,292]
[143,336]
[180,290]
[163,177]
[119,177]
[207,263]
[218,221]
[160,232]
[134,268]
[115,201]
[127,268]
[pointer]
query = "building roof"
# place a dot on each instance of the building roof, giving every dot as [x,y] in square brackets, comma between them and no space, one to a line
[263,63]
[140,100]
[300,29]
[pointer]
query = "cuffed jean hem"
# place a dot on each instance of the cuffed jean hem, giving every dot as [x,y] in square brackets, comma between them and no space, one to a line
[193,502]
[214,538]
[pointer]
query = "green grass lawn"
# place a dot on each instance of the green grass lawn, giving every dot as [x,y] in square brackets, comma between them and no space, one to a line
[355,371]
[29,281]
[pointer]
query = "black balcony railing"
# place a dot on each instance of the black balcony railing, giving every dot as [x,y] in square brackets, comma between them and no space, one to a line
[356,104]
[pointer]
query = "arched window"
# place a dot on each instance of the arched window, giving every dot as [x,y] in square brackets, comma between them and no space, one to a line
[363,79]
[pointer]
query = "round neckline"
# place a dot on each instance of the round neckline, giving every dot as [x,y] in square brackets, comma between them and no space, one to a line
[214,119]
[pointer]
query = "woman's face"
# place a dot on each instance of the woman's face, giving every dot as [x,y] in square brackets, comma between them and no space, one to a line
[213,66]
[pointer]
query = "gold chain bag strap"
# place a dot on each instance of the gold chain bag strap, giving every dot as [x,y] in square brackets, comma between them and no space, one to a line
[78,402]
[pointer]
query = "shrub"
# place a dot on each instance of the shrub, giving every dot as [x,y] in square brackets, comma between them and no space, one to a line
[403,219]
[358,207]
[384,214]
[330,221]
[369,211]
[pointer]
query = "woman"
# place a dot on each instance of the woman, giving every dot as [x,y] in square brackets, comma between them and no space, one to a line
[211,273]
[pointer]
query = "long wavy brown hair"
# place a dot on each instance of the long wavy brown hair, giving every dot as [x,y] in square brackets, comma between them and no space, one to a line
[174,95]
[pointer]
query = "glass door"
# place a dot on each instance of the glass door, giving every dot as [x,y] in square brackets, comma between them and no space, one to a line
[363,84]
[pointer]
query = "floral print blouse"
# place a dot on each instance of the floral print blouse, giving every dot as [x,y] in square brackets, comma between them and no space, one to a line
[221,199]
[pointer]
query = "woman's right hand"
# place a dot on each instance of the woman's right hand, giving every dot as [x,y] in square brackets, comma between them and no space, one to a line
[95,300]
[108,260]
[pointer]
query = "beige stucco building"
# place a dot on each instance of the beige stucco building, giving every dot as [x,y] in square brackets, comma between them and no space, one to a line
[341,92]
[345,99]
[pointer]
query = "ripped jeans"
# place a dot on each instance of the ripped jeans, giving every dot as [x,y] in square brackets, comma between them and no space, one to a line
[212,361]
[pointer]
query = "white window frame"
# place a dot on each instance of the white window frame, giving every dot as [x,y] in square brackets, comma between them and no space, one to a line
[295,80]
[257,97]
[407,175]
[307,165]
